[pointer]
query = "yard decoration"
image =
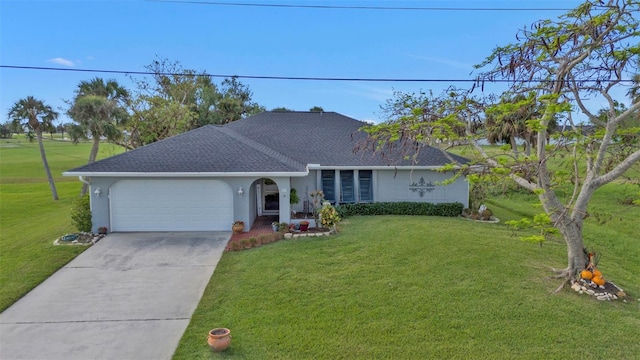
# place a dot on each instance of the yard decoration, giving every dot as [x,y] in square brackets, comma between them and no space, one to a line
[237,227]
[586,274]
[598,280]
[591,273]
[219,339]
[304,225]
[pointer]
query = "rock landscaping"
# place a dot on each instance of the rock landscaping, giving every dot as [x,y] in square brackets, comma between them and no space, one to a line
[607,292]
[312,232]
[83,238]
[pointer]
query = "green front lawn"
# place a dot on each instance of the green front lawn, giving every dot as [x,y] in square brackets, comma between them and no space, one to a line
[30,220]
[406,287]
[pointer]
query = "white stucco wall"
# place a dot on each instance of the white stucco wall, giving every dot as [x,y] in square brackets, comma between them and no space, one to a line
[304,186]
[388,186]
[244,208]
[391,186]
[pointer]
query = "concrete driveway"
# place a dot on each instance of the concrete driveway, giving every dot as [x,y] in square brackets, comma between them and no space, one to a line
[130,296]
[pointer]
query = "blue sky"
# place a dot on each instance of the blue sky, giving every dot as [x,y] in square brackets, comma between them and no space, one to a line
[266,41]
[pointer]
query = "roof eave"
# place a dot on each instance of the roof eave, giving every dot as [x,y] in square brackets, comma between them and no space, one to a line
[186,174]
[376,167]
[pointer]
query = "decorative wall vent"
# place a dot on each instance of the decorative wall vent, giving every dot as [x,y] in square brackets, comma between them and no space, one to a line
[422,186]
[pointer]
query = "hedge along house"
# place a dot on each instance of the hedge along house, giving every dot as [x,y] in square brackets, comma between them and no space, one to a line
[205,179]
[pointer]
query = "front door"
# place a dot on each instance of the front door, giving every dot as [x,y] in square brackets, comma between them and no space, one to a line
[270,197]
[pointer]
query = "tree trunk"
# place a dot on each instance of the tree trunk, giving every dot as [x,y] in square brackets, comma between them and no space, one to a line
[92,158]
[577,260]
[571,231]
[514,146]
[52,185]
[527,148]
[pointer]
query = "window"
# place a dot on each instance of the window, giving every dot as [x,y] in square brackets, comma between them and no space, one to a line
[346,183]
[366,187]
[329,185]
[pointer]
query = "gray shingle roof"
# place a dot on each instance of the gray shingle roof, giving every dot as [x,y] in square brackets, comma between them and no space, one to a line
[267,142]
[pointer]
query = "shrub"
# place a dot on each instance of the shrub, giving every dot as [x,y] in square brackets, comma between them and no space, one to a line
[486,214]
[264,239]
[329,216]
[400,208]
[81,213]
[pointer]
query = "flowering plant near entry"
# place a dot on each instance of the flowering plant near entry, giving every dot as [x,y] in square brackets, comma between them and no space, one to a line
[328,215]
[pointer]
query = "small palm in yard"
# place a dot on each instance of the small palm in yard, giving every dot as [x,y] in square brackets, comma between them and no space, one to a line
[409,288]
[35,115]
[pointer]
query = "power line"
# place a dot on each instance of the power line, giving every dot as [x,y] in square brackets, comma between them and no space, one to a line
[217,3]
[265,77]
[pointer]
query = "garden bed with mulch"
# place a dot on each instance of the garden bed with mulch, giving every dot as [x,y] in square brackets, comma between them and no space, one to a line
[263,239]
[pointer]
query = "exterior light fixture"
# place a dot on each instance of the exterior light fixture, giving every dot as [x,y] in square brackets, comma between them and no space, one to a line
[240,191]
[98,191]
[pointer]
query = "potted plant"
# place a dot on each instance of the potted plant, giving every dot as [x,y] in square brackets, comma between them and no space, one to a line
[237,227]
[304,225]
[219,339]
[274,225]
[293,199]
[102,230]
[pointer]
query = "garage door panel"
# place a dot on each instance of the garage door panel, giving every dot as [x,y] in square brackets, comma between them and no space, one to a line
[171,205]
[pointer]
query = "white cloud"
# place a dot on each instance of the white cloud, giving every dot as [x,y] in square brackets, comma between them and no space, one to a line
[448,62]
[371,92]
[90,57]
[62,61]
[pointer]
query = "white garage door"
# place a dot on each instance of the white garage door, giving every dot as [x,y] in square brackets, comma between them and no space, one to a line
[171,205]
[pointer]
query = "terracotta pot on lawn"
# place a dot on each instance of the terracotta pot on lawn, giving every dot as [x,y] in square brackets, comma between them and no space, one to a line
[219,339]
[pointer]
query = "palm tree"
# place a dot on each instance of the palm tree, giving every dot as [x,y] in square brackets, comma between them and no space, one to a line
[508,122]
[98,108]
[36,116]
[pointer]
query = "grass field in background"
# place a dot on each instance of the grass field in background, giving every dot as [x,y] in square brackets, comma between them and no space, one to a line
[20,159]
[30,220]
